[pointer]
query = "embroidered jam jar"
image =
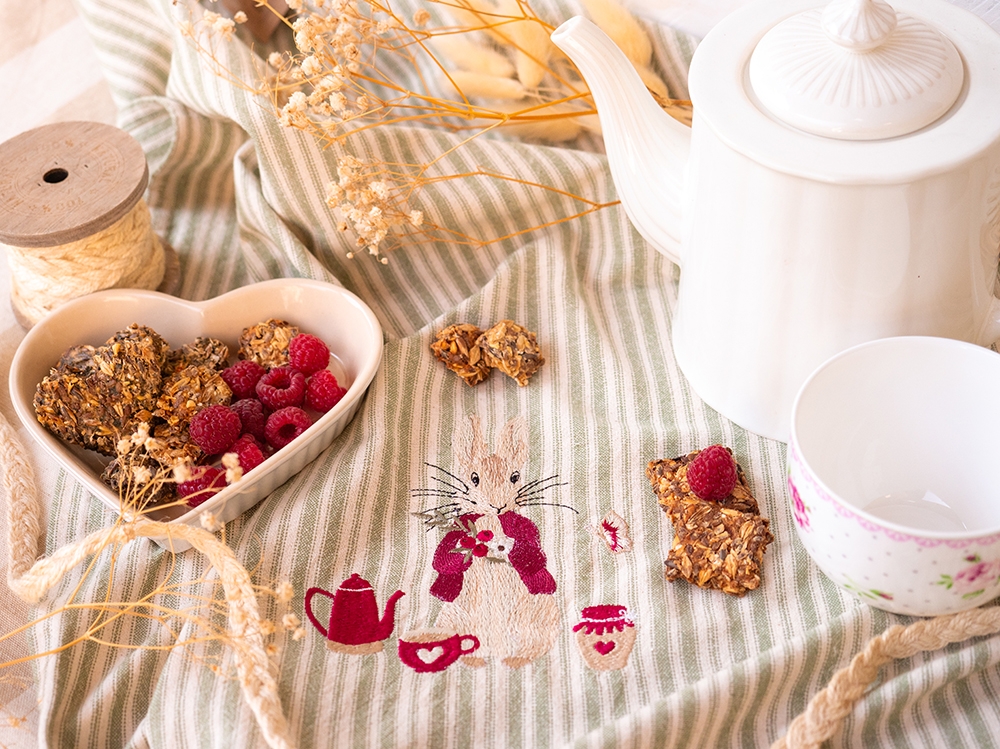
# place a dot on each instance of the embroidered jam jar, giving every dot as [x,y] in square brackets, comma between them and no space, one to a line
[605,636]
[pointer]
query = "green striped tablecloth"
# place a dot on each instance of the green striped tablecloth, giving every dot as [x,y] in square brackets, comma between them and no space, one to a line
[243,200]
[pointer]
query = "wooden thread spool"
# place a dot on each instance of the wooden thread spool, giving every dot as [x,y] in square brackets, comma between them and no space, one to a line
[73,219]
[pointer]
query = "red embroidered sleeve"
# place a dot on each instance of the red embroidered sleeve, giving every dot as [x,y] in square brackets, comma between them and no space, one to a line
[450,565]
[527,556]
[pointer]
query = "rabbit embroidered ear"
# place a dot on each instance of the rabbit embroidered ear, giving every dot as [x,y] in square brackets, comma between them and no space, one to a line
[469,443]
[512,443]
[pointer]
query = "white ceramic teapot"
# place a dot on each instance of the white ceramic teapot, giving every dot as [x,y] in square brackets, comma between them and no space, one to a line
[840,183]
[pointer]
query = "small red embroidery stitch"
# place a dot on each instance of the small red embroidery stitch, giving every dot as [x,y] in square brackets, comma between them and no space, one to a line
[613,531]
[354,625]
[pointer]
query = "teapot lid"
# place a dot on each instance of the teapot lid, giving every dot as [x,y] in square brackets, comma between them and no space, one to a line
[856,70]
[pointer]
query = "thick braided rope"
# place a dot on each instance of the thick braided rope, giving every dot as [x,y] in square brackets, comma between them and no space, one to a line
[127,254]
[829,707]
[31,579]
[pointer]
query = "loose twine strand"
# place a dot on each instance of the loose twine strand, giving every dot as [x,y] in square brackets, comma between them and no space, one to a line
[127,254]
[31,579]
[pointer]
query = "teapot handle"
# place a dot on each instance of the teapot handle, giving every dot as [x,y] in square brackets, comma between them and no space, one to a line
[308,606]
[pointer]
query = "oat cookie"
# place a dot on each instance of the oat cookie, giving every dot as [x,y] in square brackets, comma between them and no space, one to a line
[512,349]
[267,343]
[209,352]
[456,348]
[95,396]
[718,545]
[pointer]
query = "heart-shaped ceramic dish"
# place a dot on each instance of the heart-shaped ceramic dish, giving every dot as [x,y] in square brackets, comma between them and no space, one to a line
[332,313]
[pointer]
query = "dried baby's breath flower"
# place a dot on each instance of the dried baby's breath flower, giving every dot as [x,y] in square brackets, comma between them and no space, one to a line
[208,521]
[421,18]
[141,434]
[123,447]
[141,475]
[299,633]
[182,472]
[275,59]
[266,627]
[284,592]
[290,621]
[272,650]
[240,17]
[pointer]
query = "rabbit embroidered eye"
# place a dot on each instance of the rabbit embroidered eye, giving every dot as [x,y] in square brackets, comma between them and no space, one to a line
[514,477]
[474,479]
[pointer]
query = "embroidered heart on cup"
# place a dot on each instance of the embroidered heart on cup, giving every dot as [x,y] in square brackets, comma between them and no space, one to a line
[430,655]
[604,646]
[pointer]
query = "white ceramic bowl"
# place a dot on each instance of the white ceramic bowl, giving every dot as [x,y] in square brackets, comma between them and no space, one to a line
[330,312]
[892,473]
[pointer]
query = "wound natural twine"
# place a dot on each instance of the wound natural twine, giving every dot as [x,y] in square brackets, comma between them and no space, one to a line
[127,254]
[72,217]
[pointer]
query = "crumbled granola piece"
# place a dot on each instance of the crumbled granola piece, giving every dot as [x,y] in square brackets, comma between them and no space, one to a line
[267,343]
[512,349]
[173,445]
[142,334]
[139,479]
[717,544]
[210,352]
[457,349]
[188,391]
[95,396]
[78,359]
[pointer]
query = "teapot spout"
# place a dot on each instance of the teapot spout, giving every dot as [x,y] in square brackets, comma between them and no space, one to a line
[388,620]
[647,148]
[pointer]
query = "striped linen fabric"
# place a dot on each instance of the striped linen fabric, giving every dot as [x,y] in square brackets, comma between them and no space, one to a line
[243,200]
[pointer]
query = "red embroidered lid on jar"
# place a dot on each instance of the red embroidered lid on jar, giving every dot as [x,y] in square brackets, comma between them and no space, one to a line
[605,618]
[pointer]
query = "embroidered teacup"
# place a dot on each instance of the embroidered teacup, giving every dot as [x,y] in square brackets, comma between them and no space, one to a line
[892,473]
[432,649]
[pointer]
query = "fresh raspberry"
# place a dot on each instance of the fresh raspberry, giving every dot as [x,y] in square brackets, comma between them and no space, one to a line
[205,482]
[248,451]
[308,354]
[712,473]
[286,424]
[215,428]
[282,387]
[252,416]
[242,378]
[323,392]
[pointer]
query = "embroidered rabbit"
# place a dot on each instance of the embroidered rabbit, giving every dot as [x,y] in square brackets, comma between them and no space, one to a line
[491,570]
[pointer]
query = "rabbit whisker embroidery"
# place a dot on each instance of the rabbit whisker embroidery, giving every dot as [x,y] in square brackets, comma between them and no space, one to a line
[509,607]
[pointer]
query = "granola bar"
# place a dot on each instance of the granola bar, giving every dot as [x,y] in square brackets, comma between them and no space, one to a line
[717,545]
[95,396]
[188,391]
[138,478]
[512,349]
[267,343]
[209,352]
[456,348]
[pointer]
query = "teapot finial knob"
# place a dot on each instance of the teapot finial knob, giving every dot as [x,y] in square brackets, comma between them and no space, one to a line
[859,25]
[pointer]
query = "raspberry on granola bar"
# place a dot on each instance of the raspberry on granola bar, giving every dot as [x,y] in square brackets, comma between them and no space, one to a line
[717,544]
